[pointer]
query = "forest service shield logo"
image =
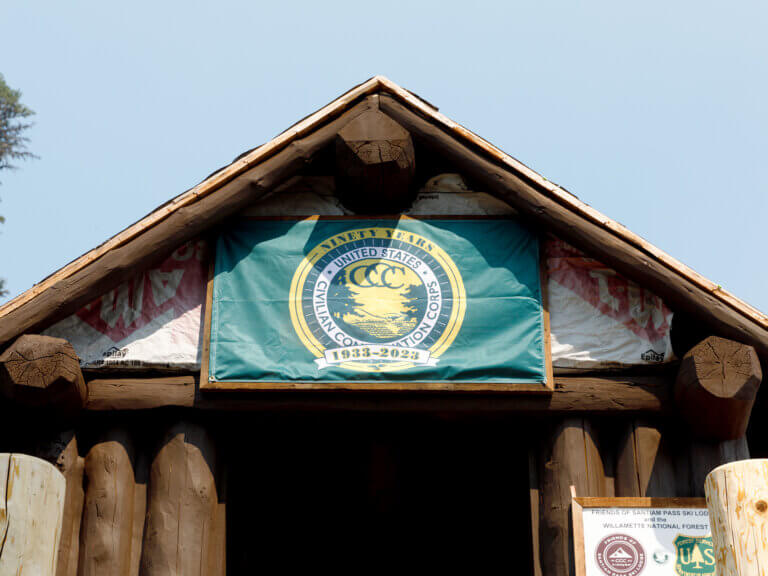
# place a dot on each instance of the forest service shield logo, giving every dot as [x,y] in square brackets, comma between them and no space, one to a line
[377,299]
[695,555]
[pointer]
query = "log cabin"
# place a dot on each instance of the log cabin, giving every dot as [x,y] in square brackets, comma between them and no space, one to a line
[374,343]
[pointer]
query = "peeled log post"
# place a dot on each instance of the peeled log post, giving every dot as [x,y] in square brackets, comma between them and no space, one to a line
[645,463]
[737,498]
[40,370]
[572,458]
[183,529]
[62,452]
[375,164]
[716,388]
[107,531]
[31,509]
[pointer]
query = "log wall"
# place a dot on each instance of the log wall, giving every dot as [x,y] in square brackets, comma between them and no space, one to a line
[151,502]
[145,485]
[597,456]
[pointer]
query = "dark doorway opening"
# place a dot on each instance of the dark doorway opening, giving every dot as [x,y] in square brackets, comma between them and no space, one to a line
[358,494]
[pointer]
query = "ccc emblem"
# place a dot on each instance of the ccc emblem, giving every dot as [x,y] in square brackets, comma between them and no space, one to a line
[377,299]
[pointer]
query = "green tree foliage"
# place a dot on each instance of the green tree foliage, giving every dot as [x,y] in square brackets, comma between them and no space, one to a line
[13,142]
[13,124]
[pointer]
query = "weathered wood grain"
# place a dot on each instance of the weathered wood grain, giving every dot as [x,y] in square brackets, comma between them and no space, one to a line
[716,388]
[375,164]
[569,458]
[585,393]
[737,499]
[107,530]
[32,495]
[184,522]
[581,394]
[41,370]
[62,452]
[140,393]
[645,464]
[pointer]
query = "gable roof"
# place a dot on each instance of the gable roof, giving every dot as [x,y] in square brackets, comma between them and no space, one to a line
[251,175]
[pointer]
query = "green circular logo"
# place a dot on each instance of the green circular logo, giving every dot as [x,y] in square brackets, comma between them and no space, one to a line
[377,299]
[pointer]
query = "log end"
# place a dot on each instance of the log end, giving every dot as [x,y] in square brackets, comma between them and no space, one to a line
[375,164]
[40,370]
[716,387]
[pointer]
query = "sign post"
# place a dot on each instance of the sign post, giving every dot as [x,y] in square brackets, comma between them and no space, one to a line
[737,497]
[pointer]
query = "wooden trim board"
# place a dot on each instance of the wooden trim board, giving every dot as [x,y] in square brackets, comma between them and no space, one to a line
[547,333]
[207,307]
[591,394]
[639,502]
[351,385]
[140,393]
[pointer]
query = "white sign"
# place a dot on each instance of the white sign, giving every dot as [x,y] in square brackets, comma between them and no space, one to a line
[650,541]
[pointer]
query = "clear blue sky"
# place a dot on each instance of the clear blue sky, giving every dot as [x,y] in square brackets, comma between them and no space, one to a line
[655,113]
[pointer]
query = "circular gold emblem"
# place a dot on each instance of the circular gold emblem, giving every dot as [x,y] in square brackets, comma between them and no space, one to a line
[377,299]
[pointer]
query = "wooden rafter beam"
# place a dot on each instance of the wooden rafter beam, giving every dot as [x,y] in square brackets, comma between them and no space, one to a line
[106,266]
[526,195]
[572,394]
[69,293]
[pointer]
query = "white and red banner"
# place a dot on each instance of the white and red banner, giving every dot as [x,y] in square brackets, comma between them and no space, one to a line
[598,318]
[154,320]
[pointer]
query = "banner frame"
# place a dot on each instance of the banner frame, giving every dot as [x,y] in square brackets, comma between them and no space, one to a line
[546,387]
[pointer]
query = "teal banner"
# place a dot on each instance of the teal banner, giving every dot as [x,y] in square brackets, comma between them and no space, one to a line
[321,300]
